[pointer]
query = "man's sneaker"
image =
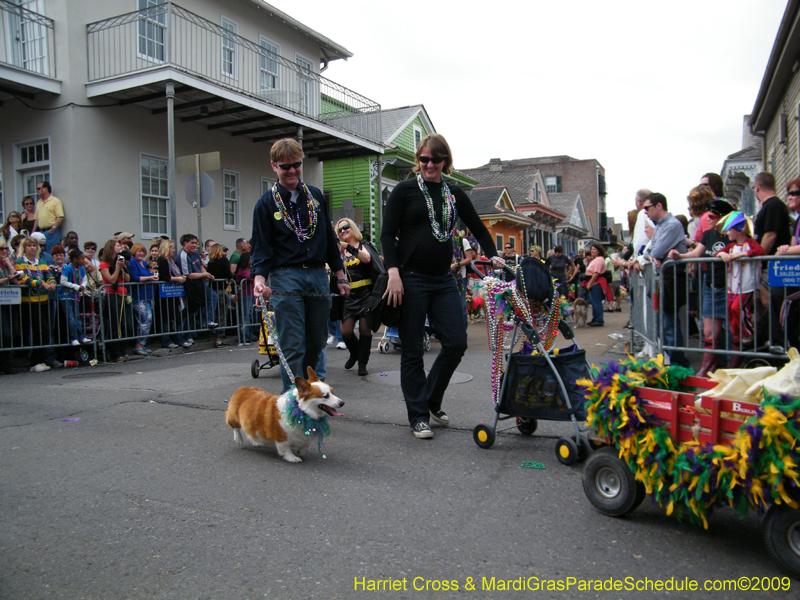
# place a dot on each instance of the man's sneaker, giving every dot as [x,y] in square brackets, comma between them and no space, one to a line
[39,368]
[190,341]
[212,324]
[171,345]
[331,340]
[187,344]
[440,417]
[75,343]
[341,346]
[423,431]
[86,340]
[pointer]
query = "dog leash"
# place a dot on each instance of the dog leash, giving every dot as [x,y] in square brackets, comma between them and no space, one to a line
[271,331]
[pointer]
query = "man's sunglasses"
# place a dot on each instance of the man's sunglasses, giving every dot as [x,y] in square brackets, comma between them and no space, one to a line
[647,207]
[343,228]
[434,159]
[287,167]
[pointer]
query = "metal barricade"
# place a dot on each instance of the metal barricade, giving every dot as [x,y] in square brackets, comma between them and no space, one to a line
[753,320]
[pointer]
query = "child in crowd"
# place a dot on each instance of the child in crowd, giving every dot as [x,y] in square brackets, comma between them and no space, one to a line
[743,279]
[73,284]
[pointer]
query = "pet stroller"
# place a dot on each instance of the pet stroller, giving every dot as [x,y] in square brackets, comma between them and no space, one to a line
[537,381]
[266,346]
[391,339]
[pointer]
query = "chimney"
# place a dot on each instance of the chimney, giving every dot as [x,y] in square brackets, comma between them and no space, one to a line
[495,165]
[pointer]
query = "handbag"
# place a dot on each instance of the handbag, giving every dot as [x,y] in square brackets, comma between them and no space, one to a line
[378,311]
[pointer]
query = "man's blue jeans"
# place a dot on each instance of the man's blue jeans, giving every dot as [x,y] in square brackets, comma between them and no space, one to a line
[51,239]
[438,297]
[301,322]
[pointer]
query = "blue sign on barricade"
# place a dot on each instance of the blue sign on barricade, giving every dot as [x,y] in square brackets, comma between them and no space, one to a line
[171,290]
[784,273]
[9,295]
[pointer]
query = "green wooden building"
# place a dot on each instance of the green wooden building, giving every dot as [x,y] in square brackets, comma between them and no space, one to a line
[358,187]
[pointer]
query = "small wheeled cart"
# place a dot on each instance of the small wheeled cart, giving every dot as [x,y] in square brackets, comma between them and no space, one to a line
[537,382]
[391,339]
[266,346]
[691,452]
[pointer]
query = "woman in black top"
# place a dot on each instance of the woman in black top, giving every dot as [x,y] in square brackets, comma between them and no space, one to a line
[363,266]
[421,214]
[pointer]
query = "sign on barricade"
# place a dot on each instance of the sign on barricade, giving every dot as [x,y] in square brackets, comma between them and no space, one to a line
[9,295]
[171,290]
[784,273]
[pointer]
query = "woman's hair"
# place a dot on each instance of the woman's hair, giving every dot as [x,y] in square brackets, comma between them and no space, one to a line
[716,184]
[164,249]
[793,183]
[537,250]
[699,198]
[29,241]
[244,262]
[353,227]
[216,252]
[28,198]
[600,250]
[57,249]
[4,229]
[136,247]
[109,252]
[438,147]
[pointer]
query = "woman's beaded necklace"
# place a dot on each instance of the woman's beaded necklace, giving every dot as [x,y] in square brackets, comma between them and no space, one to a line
[292,218]
[448,210]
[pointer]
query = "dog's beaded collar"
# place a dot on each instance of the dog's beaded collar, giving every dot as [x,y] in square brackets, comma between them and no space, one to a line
[318,428]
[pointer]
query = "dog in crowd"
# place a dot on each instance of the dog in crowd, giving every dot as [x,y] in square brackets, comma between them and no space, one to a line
[289,420]
[580,312]
[476,306]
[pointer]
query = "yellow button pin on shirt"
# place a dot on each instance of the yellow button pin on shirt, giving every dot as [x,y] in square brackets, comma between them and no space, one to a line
[277,215]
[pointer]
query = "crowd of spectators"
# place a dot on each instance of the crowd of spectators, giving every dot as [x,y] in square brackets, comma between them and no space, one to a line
[146,293]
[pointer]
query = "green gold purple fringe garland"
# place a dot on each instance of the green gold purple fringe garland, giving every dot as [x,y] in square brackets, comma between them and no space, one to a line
[760,467]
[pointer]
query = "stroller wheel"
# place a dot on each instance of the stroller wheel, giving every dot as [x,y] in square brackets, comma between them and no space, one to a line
[427,344]
[609,484]
[383,347]
[255,369]
[483,435]
[583,447]
[527,426]
[567,451]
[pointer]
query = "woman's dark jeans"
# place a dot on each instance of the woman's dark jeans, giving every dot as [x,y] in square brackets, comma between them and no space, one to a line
[437,297]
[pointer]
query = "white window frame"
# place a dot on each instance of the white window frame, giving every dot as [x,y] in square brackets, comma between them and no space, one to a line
[157,24]
[229,44]
[417,130]
[551,184]
[235,200]
[27,39]
[147,234]
[266,184]
[263,64]
[40,169]
[306,86]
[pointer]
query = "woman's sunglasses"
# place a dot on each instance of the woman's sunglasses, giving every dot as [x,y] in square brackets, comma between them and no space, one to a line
[343,228]
[434,159]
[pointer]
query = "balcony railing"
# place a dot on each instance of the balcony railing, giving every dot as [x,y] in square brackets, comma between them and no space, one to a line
[168,35]
[27,40]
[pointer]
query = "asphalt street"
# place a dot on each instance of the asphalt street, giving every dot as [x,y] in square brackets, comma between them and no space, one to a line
[123,481]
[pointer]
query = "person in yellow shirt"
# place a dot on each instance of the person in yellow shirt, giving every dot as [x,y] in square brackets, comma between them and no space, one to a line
[49,215]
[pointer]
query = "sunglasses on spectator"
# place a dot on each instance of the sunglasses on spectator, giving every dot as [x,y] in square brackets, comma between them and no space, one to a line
[344,228]
[287,167]
[434,159]
[647,207]
[509,247]
[794,193]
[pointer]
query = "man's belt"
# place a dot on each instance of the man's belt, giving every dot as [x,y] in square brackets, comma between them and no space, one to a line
[311,264]
[360,283]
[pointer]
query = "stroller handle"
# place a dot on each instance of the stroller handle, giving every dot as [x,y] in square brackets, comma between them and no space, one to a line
[473,268]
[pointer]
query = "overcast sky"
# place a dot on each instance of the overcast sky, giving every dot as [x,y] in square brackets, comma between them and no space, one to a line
[655,91]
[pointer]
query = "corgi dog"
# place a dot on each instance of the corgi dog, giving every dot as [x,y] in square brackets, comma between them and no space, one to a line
[290,420]
[580,312]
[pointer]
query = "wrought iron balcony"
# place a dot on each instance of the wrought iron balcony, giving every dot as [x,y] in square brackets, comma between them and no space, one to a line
[168,35]
[27,48]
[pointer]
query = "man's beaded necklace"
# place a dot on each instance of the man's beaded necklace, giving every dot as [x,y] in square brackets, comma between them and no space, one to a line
[291,218]
[448,210]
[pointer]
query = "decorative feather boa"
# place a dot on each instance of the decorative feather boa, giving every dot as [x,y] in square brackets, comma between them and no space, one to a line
[760,467]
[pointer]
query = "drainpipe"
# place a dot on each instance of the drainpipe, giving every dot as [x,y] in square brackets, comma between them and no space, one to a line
[379,182]
[173,209]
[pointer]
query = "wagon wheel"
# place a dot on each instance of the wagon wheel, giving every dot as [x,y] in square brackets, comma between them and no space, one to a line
[641,494]
[567,451]
[483,435]
[782,537]
[527,426]
[609,483]
[255,369]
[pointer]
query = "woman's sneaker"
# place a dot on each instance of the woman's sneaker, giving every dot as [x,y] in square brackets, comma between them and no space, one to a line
[440,417]
[423,431]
